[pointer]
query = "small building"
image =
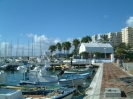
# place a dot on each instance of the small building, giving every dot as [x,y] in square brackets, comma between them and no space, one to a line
[96,47]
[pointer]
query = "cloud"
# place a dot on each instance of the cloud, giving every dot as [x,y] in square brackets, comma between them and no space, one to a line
[70,40]
[21,34]
[105,16]
[39,44]
[129,21]
[30,35]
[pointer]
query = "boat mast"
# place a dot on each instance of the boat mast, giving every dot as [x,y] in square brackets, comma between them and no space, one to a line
[40,47]
[32,47]
[17,48]
[5,46]
[28,48]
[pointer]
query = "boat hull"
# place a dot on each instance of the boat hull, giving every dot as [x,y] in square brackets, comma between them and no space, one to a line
[72,82]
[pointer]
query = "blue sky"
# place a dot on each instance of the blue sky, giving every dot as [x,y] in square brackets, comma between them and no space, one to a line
[52,21]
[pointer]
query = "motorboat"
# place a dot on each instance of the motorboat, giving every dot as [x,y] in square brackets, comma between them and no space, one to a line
[72,79]
[3,67]
[34,91]
[8,93]
[40,75]
[46,92]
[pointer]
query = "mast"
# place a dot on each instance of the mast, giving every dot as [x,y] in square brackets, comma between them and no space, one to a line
[32,47]
[28,48]
[11,49]
[40,47]
[5,46]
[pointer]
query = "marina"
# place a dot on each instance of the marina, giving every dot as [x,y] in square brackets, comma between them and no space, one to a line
[13,78]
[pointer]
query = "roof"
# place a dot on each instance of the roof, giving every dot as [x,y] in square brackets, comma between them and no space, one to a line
[97,45]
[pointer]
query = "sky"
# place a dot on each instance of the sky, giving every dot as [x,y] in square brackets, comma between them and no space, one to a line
[27,24]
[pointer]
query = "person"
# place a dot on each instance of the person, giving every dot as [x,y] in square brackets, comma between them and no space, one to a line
[61,72]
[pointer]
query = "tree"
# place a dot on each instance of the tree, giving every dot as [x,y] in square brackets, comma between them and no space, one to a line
[59,47]
[104,38]
[84,54]
[121,50]
[52,48]
[86,39]
[76,43]
[98,54]
[63,46]
[66,46]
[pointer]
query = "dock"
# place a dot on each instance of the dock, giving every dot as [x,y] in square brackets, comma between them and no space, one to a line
[110,75]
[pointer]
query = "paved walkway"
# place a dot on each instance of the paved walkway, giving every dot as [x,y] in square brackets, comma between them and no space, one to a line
[109,76]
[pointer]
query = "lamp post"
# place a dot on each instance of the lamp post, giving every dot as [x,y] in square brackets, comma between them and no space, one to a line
[71,61]
[105,52]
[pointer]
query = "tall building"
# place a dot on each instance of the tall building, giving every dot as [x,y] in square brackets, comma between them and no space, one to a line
[127,35]
[115,38]
[94,38]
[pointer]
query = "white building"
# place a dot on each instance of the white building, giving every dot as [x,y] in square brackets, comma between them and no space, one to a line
[96,47]
[115,38]
[127,35]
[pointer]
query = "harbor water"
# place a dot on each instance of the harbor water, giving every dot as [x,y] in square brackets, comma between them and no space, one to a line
[14,77]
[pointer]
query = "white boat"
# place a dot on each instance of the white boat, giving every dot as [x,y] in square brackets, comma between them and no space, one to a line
[8,93]
[40,75]
[72,79]
[47,65]
[2,76]
[30,92]
[38,92]
[3,67]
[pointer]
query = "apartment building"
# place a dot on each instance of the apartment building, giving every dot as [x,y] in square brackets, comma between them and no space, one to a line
[115,38]
[94,38]
[127,35]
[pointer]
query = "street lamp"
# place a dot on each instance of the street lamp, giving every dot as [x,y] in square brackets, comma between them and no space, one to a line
[71,61]
[105,52]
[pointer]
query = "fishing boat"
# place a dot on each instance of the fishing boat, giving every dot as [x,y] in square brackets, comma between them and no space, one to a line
[4,67]
[88,71]
[46,92]
[34,91]
[72,79]
[40,75]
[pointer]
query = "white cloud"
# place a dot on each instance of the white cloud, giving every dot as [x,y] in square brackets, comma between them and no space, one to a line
[21,34]
[39,42]
[30,35]
[70,40]
[129,21]
[57,40]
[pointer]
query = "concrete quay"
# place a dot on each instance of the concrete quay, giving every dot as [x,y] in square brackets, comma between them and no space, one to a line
[110,75]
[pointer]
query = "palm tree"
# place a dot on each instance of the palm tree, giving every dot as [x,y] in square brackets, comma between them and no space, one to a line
[76,43]
[63,46]
[52,48]
[67,47]
[104,38]
[59,47]
[86,39]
